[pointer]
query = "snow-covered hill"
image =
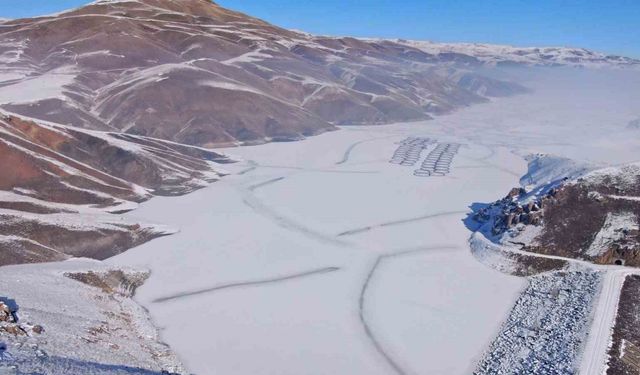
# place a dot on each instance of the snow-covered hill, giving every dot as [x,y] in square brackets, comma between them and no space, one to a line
[60,187]
[571,210]
[196,73]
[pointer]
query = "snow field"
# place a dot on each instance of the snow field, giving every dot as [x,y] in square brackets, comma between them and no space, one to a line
[246,267]
[406,294]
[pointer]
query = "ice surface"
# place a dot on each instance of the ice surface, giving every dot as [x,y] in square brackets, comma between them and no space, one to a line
[404,294]
[403,287]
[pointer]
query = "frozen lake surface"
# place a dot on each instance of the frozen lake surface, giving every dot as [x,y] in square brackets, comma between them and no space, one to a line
[322,257]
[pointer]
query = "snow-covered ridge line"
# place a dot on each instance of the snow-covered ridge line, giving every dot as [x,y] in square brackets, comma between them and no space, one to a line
[494,54]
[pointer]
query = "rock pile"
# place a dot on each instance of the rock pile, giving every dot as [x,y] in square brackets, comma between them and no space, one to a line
[9,323]
[546,327]
[6,315]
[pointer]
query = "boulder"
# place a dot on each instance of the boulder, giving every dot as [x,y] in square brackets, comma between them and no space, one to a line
[37,329]
[510,220]
[6,315]
[516,192]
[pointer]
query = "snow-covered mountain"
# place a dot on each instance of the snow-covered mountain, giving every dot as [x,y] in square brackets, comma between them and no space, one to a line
[503,55]
[196,73]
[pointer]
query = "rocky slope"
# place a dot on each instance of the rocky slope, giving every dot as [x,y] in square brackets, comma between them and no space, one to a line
[196,73]
[78,317]
[601,211]
[60,188]
[592,217]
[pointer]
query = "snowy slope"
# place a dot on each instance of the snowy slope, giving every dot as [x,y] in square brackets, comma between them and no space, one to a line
[89,324]
[196,73]
[61,188]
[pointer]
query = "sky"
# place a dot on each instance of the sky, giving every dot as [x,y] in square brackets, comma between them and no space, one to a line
[610,26]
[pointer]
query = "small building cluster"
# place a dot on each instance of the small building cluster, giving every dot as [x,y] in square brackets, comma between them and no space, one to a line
[437,163]
[409,151]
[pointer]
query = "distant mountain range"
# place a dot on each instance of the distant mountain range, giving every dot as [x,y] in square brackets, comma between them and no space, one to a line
[502,55]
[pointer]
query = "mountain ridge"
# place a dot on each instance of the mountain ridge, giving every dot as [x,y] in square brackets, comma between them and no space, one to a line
[197,73]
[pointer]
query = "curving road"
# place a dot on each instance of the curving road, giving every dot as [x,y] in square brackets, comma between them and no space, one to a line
[596,349]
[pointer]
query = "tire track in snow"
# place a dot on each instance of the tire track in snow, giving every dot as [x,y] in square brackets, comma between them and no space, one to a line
[363,295]
[347,153]
[349,150]
[253,202]
[252,167]
[493,166]
[265,183]
[247,284]
[355,231]
[318,170]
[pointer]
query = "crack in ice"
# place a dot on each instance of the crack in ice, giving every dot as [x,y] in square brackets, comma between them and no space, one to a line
[248,283]
[363,292]
[352,232]
[347,153]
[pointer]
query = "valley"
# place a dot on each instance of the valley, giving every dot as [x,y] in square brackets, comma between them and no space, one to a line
[352,258]
[186,189]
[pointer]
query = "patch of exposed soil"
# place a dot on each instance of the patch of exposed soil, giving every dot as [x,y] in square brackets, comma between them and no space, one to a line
[577,214]
[112,281]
